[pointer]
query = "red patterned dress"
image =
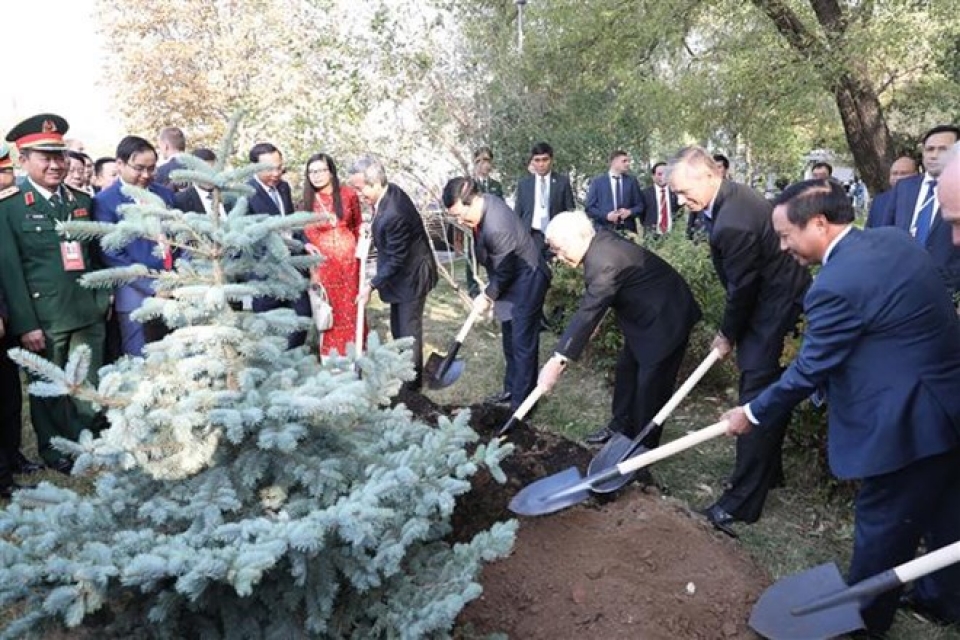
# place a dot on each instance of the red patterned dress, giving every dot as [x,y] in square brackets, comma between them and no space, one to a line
[339,273]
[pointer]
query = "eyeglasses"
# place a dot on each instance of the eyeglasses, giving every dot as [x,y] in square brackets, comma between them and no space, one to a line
[318,172]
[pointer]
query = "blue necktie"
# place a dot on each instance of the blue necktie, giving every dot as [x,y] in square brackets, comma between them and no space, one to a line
[926,214]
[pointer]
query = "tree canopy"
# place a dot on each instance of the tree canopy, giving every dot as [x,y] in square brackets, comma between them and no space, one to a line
[422,82]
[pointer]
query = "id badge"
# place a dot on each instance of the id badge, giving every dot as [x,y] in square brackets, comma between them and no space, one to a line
[72,256]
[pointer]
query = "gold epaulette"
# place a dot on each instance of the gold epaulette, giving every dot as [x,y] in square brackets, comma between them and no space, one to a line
[9,191]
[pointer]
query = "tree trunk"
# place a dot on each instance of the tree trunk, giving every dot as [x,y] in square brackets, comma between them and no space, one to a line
[857,101]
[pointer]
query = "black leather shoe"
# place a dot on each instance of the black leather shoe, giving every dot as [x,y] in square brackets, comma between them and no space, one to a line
[599,436]
[7,492]
[24,465]
[498,398]
[924,609]
[63,465]
[720,519]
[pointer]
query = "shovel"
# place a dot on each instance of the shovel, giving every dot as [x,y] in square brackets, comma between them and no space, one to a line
[568,487]
[443,371]
[818,603]
[619,447]
[361,253]
[521,411]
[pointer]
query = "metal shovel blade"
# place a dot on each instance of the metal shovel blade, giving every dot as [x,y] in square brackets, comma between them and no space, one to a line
[775,614]
[442,375]
[549,494]
[617,449]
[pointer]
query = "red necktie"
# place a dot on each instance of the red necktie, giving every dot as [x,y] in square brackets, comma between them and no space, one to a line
[664,214]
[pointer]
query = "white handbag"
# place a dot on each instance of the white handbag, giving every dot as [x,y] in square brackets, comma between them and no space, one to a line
[320,306]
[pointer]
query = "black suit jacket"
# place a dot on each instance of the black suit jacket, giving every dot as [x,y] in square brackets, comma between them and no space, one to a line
[405,266]
[655,308]
[764,285]
[651,215]
[261,202]
[881,211]
[189,200]
[561,197]
[4,312]
[505,248]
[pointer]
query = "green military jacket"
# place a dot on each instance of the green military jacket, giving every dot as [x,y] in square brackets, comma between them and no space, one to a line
[41,294]
[490,186]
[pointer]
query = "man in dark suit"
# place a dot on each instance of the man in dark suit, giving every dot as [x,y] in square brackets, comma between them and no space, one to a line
[518,278]
[171,144]
[614,200]
[882,205]
[482,166]
[913,206]
[542,194]
[764,296]
[876,300]
[660,202]
[655,311]
[197,198]
[406,270]
[271,196]
[136,164]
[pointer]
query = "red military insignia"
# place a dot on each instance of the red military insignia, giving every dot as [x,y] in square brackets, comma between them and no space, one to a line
[49,126]
[28,198]
[80,213]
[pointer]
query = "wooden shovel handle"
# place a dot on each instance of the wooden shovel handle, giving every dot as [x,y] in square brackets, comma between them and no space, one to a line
[686,387]
[471,319]
[528,403]
[665,451]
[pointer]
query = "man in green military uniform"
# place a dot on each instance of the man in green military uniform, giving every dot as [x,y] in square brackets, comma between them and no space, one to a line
[50,312]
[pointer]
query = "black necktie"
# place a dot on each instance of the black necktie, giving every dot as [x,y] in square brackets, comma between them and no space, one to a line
[618,196]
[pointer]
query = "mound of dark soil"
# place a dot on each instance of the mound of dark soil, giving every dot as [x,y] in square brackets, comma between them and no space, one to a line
[637,566]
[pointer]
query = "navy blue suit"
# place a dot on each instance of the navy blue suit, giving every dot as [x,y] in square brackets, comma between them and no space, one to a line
[882,341]
[600,202]
[129,297]
[939,242]
[881,211]
[561,199]
[655,311]
[518,281]
[261,202]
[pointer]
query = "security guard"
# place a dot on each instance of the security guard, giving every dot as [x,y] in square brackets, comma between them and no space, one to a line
[50,312]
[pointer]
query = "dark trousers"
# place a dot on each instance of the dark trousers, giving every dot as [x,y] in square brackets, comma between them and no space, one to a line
[640,392]
[300,306]
[11,411]
[759,455]
[893,512]
[63,416]
[521,338]
[406,321]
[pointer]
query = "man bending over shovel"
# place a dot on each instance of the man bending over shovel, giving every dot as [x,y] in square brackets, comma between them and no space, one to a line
[655,310]
[518,279]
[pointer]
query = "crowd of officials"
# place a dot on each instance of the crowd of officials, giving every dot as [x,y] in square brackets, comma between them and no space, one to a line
[881,341]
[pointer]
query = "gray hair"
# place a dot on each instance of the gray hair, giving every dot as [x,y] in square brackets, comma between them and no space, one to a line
[371,169]
[696,157]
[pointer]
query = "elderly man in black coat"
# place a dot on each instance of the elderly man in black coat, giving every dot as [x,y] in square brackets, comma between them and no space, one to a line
[655,310]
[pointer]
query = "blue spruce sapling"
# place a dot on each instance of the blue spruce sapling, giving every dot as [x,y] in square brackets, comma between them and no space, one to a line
[243,490]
